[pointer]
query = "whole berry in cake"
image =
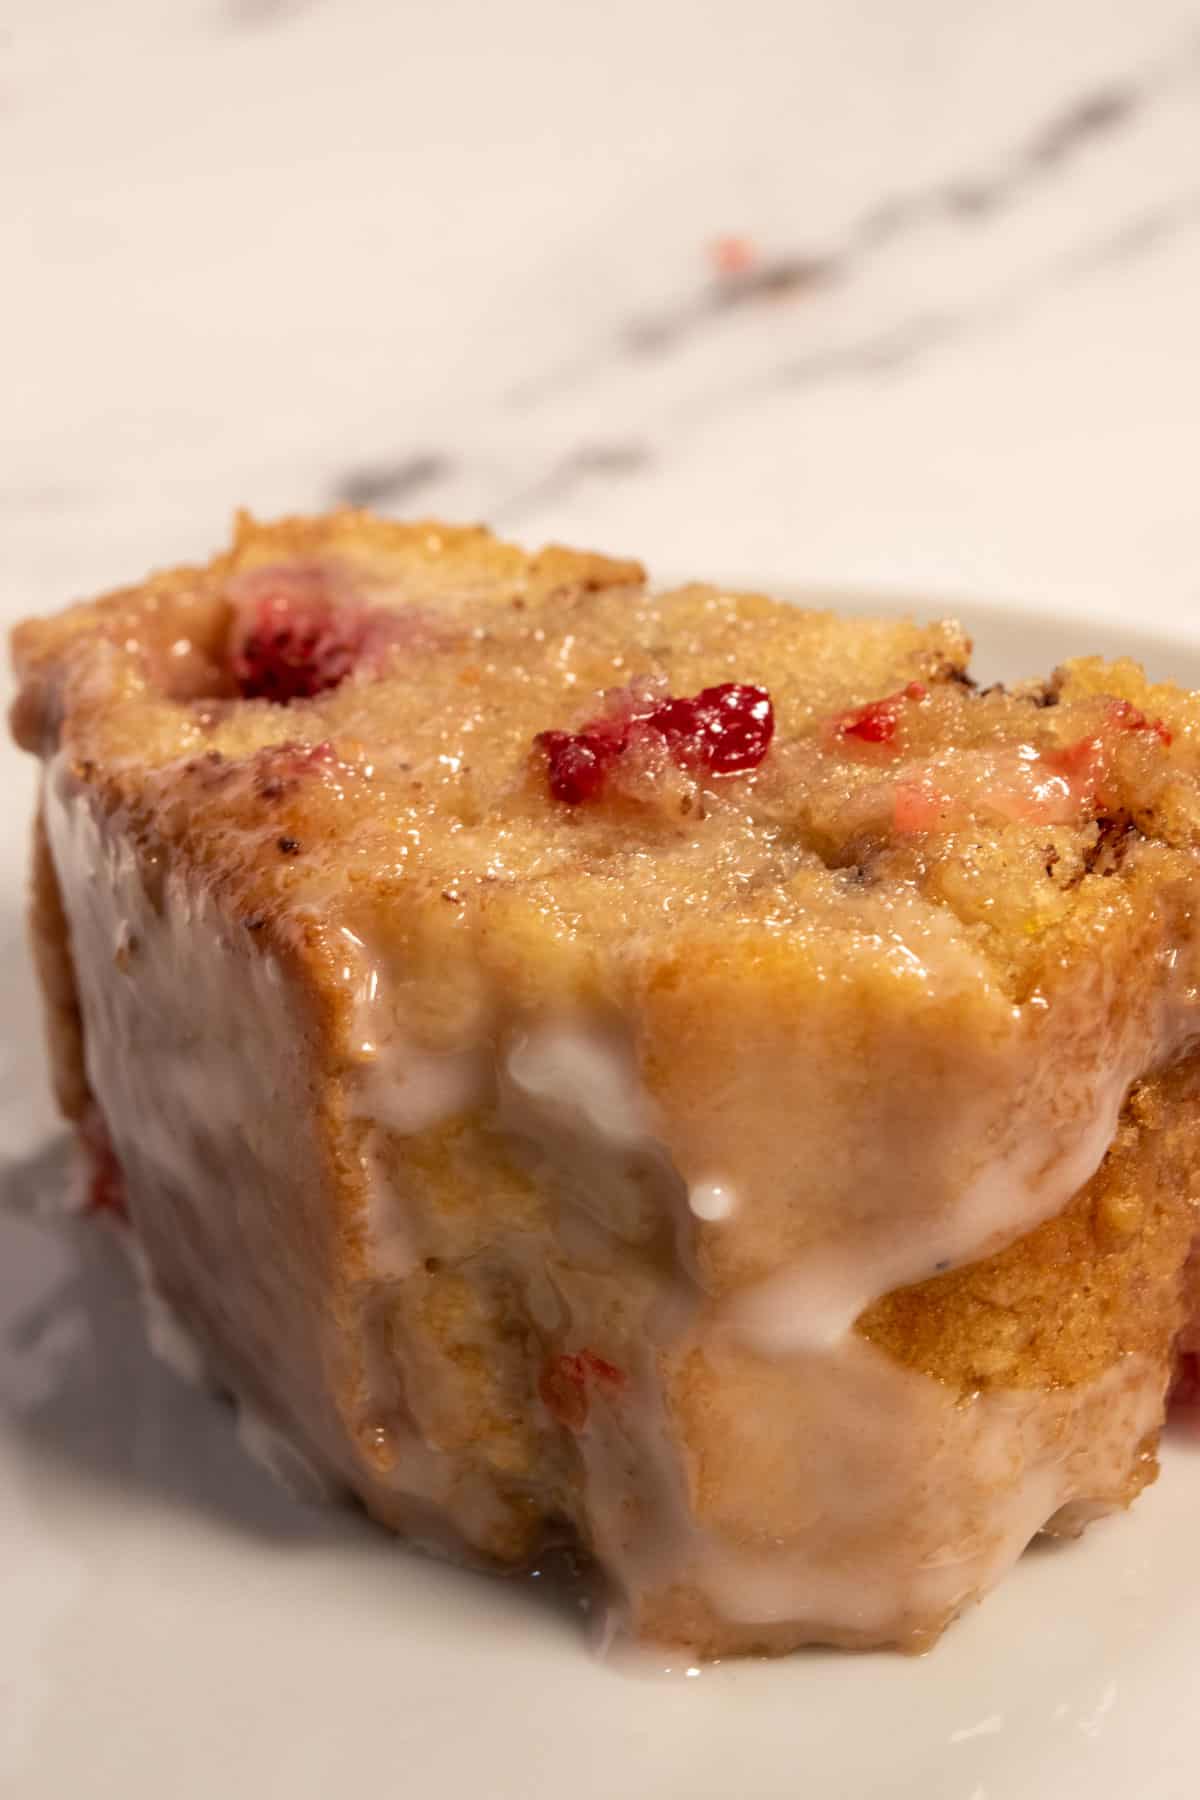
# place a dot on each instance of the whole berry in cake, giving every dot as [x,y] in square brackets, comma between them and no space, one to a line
[296,641]
[722,730]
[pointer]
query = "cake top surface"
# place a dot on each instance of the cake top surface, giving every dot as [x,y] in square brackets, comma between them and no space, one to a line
[339,715]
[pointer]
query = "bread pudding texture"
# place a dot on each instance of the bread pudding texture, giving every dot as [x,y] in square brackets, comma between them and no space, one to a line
[671,1073]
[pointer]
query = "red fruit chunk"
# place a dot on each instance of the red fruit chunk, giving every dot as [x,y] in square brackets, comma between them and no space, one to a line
[1079,761]
[726,729]
[876,722]
[564,1385]
[563,1393]
[723,730]
[106,1182]
[293,659]
[601,1369]
[296,642]
[872,724]
[577,762]
[1084,762]
[1126,717]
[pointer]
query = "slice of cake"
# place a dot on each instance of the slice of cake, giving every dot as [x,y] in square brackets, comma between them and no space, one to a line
[672,1073]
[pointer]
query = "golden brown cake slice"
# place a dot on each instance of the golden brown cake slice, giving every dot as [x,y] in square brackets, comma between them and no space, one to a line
[670,1072]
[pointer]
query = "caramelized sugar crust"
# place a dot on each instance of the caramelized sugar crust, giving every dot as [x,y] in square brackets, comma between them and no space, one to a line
[1009,813]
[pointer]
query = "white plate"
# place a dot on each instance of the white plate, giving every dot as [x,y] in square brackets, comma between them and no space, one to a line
[171,1624]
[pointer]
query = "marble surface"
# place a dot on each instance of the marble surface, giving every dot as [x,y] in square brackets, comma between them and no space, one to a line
[463,259]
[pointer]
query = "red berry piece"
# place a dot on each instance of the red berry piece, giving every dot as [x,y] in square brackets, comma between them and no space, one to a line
[1080,762]
[600,1369]
[285,659]
[1084,762]
[876,722]
[1126,717]
[871,724]
[565,1381]
[295,640]
[723,730]
[106,1180]
[726,729]
[577,762]
[563,1391]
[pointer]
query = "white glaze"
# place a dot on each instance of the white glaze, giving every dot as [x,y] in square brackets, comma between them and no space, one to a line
[712,1201]
[848,1564]
[399,1087]
[899,1502]
[409,1090]
[571,1100]
[392,1244]
[586,1076]
[816,1301]
[972,1483]
[190,1046]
